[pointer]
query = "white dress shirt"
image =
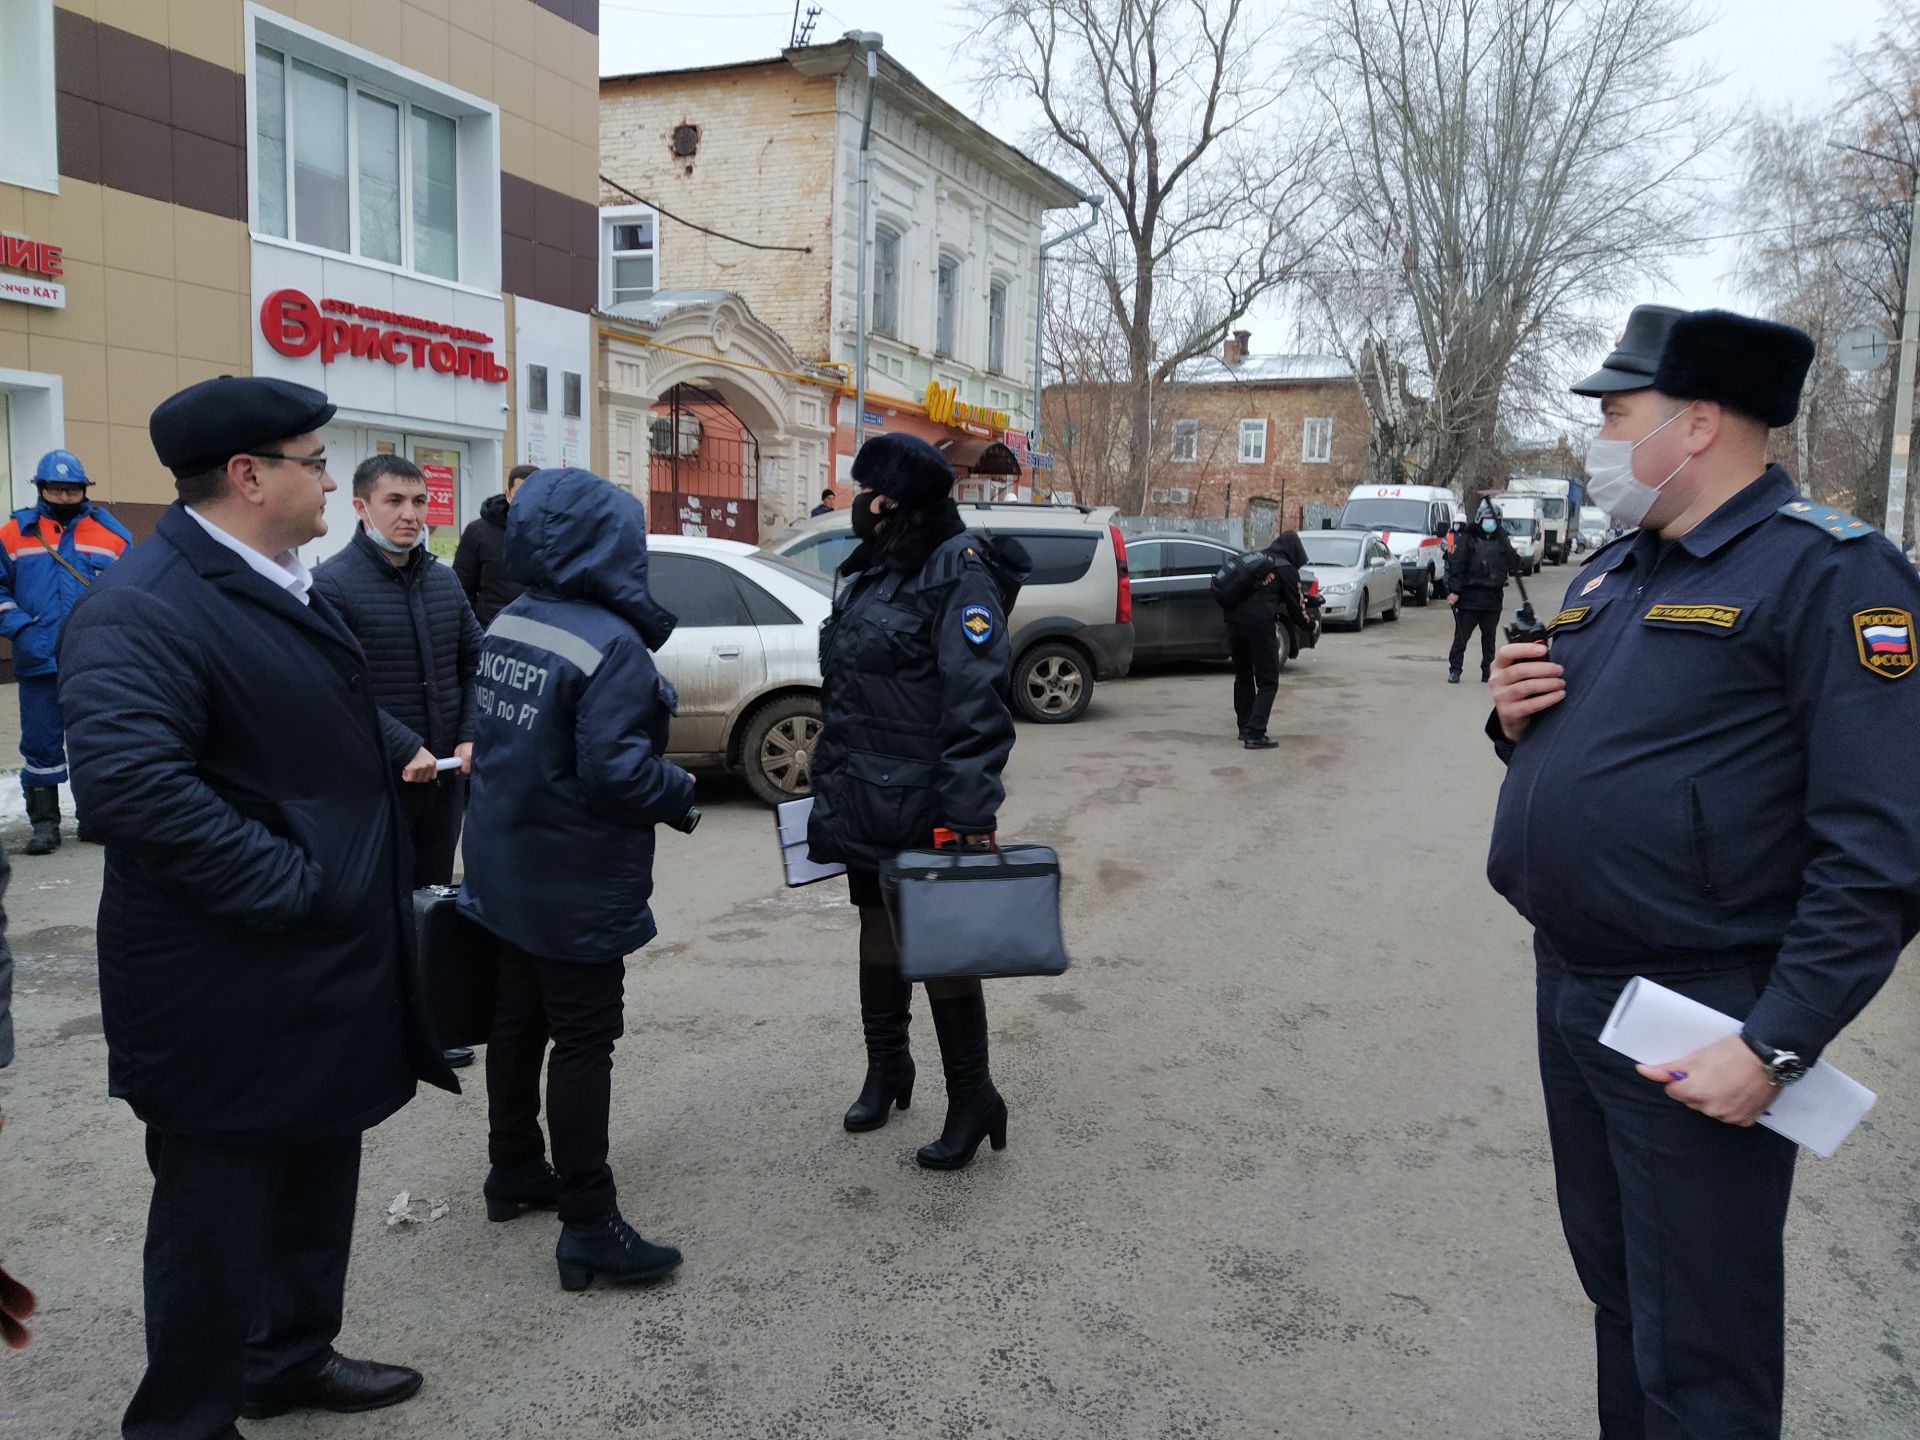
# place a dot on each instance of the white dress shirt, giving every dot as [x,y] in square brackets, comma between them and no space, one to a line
[285,570]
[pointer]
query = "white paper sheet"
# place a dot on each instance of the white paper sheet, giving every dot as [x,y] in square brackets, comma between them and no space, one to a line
[450,762]
[1651,1024]
[790,826]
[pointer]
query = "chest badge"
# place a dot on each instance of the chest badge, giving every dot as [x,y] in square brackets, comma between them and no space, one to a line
[977,621]
[1885,638]
[1592,585]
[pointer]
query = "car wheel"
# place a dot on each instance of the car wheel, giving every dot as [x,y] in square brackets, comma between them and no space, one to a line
[1422,590]
[1053,683]
[776,748]
[1360,616]
[1399,597]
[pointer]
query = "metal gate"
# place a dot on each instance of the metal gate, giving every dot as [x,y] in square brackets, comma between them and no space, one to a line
[703,468]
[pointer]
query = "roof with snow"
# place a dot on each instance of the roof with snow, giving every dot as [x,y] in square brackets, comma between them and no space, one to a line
[1263,370]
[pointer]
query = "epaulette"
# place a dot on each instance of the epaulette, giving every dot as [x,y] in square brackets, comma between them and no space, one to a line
[1836,523]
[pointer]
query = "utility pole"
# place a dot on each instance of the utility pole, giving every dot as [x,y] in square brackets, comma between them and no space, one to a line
[872,43]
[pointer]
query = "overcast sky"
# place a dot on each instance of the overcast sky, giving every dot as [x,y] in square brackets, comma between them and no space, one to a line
[1773,54]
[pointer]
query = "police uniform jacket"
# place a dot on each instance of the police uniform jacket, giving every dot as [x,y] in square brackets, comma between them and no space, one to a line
[1727,781]
[570,768]
[256,918]
[915,664]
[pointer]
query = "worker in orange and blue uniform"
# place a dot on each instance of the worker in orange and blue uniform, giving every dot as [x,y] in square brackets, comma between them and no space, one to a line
[50,555]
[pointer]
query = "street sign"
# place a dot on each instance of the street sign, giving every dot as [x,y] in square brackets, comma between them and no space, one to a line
[1863,348]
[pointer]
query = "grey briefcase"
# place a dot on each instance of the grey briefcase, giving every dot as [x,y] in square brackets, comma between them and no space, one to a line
[975,914]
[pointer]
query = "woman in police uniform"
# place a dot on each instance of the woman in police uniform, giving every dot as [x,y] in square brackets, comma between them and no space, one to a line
[915,661]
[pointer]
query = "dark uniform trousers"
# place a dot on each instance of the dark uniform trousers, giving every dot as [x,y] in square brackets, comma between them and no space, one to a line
[577,1004]
[1465,621]
[432,814]
[1675,1221]
[246,1275]
[1256,674]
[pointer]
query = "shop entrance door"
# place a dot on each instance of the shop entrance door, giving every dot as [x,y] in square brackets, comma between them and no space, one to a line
[446,464]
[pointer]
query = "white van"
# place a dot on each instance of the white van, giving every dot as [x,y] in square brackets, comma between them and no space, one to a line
[1520,518]
[1413,520]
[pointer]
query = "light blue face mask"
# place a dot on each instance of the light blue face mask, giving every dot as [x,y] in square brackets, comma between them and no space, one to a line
[1488,527]
[387,545]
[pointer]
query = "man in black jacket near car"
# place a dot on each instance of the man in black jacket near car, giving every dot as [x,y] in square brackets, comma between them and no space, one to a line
[480,562]
[1477,572]
[1253,634]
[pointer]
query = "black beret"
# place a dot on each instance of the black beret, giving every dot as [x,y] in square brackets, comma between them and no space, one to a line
[905,468]
[206,425]
[1753,366]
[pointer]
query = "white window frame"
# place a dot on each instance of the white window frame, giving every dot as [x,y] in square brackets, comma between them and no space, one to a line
[999,399]
[1186,437]
[1316,440]
[476,150]
[946,307]
[29,138]
[891,329]
[998,285]
[610,216]
[1255,431]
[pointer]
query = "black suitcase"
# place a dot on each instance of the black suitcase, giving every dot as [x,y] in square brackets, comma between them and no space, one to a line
[458,968]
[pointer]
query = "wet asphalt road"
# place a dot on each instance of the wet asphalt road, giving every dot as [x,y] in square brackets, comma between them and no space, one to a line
[1277,1161]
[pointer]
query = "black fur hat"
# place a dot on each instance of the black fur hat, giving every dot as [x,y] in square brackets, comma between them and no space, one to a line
[905,468]
[1753,366]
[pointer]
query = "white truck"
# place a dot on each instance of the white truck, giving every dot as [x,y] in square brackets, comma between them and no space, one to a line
[1520,518]
[1594,525]
[1559,510]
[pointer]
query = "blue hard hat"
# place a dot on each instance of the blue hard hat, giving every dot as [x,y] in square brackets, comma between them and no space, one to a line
[60,467]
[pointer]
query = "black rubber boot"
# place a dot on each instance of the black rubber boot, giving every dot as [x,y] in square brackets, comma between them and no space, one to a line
[611,1249]
[43,809]
[512,1192]
[1453,677]
[885,1001]
[975,1111]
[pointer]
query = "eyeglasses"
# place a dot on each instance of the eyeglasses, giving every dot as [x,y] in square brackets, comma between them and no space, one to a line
[315,463]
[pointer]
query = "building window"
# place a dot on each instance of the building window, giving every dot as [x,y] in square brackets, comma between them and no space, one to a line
[998,399]
[1316,441]
[570,393]
[997,327]
[947,291]
[1253,442]
[630,240]
[344,167]
[1186,440]
[886,281]
[29,155]
[537,389]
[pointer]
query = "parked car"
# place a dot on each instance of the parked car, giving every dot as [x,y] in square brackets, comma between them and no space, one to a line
[1412,520]
[1073,623]
[1174,613]
[1358,577]
[745,658]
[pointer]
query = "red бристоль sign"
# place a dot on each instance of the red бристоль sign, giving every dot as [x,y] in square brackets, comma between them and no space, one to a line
[439,493]
[296,327]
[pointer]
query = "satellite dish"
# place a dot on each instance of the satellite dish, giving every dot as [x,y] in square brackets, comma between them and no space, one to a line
[1863,348]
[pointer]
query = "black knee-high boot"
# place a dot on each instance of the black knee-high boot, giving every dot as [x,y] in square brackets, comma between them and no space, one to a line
[884,1012]
[975,1111]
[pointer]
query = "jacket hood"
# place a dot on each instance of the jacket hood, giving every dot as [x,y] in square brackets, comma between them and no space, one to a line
[574,535]
[493,510]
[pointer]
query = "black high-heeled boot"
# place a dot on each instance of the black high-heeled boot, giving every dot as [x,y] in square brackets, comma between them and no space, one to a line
[512,1192]
[975,1111]
[884,1012]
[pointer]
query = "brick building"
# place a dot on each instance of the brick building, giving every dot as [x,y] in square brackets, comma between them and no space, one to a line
[1279,430]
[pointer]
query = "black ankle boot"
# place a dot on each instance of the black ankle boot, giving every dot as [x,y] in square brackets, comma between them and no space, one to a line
[884,1011]
[975,1111]
[43,809]
[512,1191]
[611,1249]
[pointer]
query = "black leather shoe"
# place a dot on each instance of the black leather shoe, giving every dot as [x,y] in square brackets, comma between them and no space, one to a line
[511,1191]
[613,1250]
[343,1386]
[458,1058]
[1260,742]
[1453,677]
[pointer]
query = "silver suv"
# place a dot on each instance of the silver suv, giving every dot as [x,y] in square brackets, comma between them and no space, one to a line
[1073,623]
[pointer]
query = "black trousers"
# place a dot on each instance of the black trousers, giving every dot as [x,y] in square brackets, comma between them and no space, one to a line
[1464,621]
[246,1275]
[1675,1222]
[576,1004]
[1256,675]
[433,814]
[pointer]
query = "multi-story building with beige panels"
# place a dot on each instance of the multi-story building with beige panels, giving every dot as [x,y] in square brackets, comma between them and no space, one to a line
[395,202]
[768,151]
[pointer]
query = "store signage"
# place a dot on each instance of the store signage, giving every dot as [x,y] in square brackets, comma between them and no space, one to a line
[1021,443]
[439,494]
[297,327]
[944,409]
[42,265]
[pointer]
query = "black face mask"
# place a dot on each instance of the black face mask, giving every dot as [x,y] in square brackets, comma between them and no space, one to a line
[866,524]
[65,514]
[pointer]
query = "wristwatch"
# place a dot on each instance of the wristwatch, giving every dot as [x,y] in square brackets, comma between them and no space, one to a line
[1783,1066]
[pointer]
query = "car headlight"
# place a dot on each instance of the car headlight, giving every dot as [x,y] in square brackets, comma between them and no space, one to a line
[1345,587]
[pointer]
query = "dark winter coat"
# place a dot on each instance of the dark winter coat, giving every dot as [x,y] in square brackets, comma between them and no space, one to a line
[256,919]
[915,661]
[1267,605]
[420,639]
[570,772]
[480,562]
[1478,568]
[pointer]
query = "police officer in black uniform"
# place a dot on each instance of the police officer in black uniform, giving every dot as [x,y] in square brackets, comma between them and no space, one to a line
[915,661]
[1693,796]
[1477,571]
[1253,636]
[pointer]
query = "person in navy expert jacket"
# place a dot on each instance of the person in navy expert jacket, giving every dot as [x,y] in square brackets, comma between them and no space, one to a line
[1693,795]
[254,917]
[570,778]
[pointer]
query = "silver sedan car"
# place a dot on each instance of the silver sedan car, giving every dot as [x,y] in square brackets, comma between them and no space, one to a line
[745,658]
[1359,578]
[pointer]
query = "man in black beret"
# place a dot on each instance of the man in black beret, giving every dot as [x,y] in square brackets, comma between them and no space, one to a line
[255,916]
[1691,796]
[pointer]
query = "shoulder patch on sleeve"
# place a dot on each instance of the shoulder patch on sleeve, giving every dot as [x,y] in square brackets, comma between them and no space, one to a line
[1836,523]
[1885,641]
[977,622]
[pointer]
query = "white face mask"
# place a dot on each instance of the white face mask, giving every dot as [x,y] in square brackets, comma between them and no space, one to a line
[380,540]
[1614,489]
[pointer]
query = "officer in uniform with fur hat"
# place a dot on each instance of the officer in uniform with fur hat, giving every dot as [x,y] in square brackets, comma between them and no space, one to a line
[1695,794]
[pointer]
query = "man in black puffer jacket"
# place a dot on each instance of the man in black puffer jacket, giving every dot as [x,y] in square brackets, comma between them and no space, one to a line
[481,561]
